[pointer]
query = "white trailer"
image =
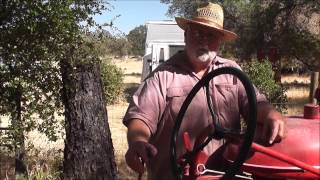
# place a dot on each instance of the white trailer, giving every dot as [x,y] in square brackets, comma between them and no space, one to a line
[164,39]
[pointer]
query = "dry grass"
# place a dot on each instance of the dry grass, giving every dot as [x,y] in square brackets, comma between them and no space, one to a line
[119,139]
[297,93]
[295,78]
[297,97]
[132,70]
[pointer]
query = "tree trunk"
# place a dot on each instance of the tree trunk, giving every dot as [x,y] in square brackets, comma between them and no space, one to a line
[313,86]
[88,152]
[18,134]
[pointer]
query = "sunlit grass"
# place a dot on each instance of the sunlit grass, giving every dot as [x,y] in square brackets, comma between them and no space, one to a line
[297,98]
[297,93]
[296,78]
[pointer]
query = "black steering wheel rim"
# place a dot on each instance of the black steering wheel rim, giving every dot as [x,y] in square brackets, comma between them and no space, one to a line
[251,126]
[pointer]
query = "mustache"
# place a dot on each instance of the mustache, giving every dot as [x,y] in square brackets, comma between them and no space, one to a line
[203,50]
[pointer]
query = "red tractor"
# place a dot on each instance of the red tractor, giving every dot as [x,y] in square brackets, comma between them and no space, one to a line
[296,157]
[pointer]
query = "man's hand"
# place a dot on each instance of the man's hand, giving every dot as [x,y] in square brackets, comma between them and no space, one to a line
[139,152]
[274,127]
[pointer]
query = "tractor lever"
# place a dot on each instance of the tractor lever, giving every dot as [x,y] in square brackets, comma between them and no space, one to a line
[201,170]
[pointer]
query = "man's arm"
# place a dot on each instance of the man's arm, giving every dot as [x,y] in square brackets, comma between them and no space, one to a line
[138,131]
[273,122]
[140,150]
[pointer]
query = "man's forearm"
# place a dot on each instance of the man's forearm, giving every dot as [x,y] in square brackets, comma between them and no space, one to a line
[138,131]
[140,151]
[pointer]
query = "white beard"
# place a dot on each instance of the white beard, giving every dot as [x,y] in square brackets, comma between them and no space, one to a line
[206,57]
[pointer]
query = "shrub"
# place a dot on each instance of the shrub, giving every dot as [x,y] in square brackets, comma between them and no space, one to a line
[262,76]
[112,78]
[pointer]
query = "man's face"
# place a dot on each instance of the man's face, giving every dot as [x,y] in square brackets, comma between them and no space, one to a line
[202,44]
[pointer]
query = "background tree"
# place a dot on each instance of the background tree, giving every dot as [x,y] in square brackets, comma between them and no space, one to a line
[100,38]
[137,39]
[108,44]
[290,27]
[29,72]
[262,76]
[42,42]
[119,46]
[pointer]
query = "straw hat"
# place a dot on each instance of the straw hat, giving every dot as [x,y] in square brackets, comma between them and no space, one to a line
[210,16]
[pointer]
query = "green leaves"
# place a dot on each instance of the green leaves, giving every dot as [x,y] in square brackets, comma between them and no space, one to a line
[262,76]
[112,78]
[36,36]
[137,39]
[292,27]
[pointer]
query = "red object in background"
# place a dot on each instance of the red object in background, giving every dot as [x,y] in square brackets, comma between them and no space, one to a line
[273,55]
[261,55]
[311,111]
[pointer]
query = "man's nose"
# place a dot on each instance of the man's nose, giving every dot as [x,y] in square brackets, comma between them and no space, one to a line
[203,39]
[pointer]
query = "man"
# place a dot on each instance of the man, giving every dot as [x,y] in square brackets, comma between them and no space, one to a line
[151,114]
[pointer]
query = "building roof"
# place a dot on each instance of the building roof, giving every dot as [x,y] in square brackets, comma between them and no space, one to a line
[164,31]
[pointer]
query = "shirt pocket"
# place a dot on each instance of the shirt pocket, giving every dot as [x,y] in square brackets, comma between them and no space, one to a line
[175,98]
[227,100]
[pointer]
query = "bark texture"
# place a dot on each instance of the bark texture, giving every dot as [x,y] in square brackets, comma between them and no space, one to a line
[17,121]
[89,152]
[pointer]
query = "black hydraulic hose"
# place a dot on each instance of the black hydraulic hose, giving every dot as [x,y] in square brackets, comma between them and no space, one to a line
[245,147]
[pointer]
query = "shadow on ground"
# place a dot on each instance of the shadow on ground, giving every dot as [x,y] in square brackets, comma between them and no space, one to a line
[133,74]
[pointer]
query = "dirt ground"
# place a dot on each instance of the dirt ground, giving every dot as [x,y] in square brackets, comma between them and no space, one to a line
[132,69]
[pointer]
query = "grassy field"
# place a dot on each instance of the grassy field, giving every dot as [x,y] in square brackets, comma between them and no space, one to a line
[297,93]
[132,69]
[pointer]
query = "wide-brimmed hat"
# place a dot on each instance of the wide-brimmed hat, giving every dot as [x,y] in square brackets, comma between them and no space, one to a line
[210,16]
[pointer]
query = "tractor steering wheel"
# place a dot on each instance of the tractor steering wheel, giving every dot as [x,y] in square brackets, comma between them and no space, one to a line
[218,131]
